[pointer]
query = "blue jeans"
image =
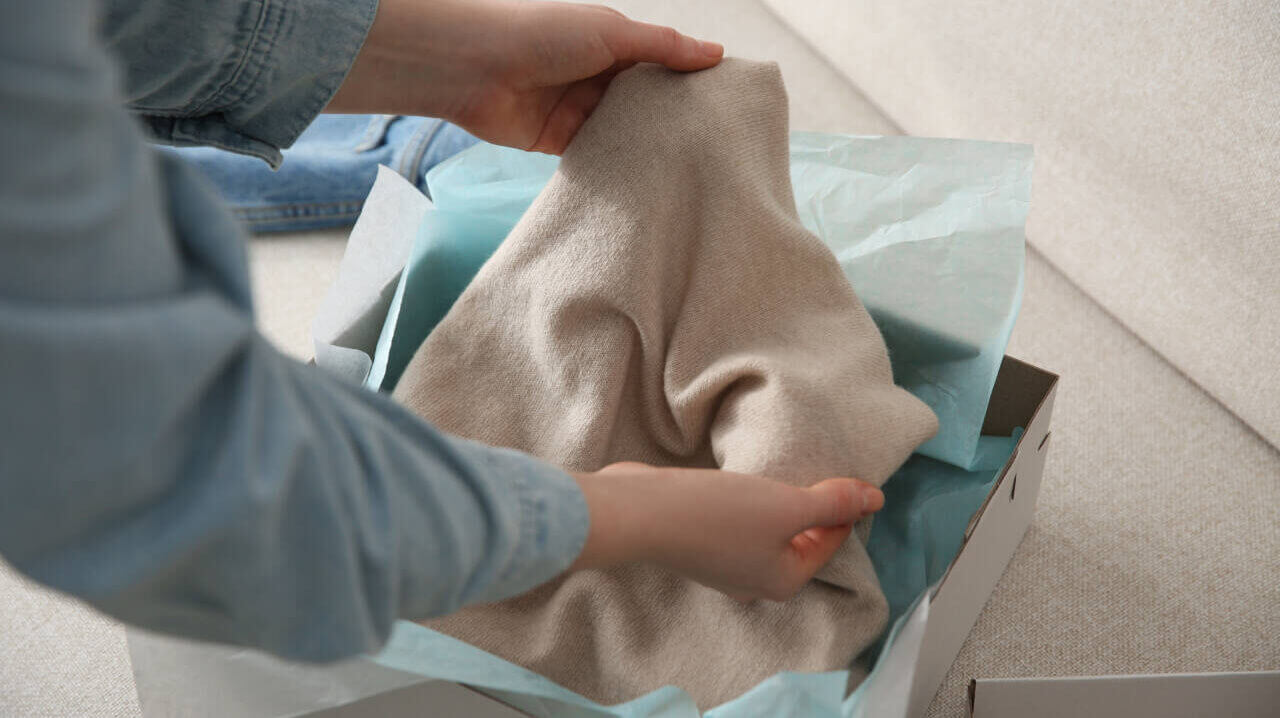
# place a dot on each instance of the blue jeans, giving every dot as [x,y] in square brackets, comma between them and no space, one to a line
[328,171]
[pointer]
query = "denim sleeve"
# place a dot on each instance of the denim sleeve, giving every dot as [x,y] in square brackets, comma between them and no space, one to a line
[158,458]
[243,75]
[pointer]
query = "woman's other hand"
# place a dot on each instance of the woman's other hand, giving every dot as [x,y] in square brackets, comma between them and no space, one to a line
[522,74]
[746,536]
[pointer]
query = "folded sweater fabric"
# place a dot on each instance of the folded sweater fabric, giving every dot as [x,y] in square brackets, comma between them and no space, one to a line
[661,302]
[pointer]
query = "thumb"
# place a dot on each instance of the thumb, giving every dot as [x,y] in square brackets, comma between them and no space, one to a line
[813,548]
[633,41]
[833,507]
[839,502]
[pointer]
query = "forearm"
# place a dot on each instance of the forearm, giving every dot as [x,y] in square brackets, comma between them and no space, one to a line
[185,477]
[427,57]
[158,458]
[748,536]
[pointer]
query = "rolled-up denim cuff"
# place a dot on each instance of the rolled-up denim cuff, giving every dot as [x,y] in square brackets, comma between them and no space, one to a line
[540,526]
[297,58]
[554,520]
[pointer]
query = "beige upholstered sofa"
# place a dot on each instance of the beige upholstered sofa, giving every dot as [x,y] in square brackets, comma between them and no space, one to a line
[1153,288]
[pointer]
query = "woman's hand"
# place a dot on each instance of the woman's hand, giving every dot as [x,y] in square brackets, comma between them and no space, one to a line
[746,536]
[523,74]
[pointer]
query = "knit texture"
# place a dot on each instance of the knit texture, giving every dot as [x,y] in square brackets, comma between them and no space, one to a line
[661,302]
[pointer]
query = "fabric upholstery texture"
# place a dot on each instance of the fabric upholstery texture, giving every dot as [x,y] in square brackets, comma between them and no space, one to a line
[661,302]
[1157,151]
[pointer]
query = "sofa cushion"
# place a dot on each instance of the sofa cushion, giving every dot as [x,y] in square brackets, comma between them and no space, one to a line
[1157,185]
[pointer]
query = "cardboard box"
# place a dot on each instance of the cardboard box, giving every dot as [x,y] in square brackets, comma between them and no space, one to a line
[181,678]
[1023,396]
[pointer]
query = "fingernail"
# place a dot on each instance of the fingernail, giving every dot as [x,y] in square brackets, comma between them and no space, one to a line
[872,499]
[710,49]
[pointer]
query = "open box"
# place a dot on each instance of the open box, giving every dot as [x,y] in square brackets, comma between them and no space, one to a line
[176,677]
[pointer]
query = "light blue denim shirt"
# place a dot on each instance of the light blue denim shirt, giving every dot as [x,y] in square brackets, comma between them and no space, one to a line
[158,458]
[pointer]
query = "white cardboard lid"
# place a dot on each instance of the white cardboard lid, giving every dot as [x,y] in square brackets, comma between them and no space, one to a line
[1181,695]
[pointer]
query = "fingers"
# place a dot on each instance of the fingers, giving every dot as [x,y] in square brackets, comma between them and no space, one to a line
[815,547]
[826,520]
[642,42]
[570,112]
[838,502]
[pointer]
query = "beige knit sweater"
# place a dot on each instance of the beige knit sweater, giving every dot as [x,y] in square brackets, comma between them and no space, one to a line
[661,302]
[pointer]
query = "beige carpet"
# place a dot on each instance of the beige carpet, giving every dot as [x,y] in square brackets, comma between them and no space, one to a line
[1157,147]
[1156,545]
